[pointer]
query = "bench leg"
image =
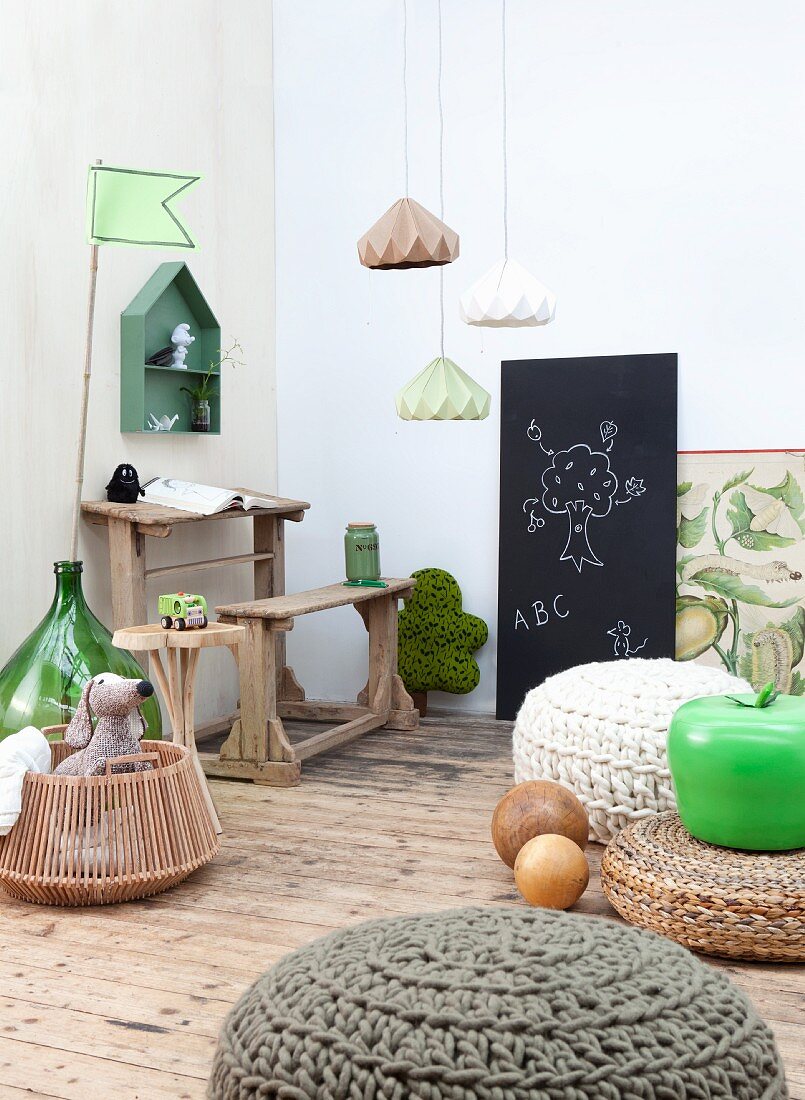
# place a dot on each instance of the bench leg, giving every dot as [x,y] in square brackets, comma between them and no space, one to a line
[290,690]
[258,747]
[381,622]
[403,714]
[385,692]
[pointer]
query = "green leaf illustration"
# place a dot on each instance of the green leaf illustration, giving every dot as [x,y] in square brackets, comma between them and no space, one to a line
[738,479]
[691,531]
[684,487]
[763,540]
[732,587]
[682,562]
[738,514]
[790,493]
[740,517]
[797,685]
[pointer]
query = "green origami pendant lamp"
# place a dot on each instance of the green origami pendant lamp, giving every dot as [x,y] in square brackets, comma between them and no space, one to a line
[443,391]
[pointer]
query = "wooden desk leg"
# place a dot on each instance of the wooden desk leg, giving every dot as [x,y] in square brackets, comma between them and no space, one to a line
[269,576]
[189,666]
[127,560]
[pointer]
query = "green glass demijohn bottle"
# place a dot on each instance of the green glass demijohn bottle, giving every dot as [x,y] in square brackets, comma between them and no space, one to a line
[41,683]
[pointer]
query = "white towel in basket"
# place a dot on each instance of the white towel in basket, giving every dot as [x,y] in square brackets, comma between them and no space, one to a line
[26,751]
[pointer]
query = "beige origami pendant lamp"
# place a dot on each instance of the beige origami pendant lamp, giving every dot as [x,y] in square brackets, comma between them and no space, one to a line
[442,391]
[407,235]
[507,296]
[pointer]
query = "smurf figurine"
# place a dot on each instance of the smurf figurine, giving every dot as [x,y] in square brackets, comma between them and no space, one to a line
[181,340]
[175,353]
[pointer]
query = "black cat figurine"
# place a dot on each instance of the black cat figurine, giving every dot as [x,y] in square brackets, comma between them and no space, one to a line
[124,488]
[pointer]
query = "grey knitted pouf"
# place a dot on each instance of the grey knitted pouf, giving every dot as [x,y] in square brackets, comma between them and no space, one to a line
[496,1004]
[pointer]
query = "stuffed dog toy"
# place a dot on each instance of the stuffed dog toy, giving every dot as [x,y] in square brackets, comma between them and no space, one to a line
[120,726]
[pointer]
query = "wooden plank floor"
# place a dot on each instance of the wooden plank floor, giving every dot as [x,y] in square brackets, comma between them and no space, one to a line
[127,1001]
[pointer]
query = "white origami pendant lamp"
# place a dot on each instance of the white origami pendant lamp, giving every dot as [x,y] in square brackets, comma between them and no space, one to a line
[443,391]
[507,296]
[407,235]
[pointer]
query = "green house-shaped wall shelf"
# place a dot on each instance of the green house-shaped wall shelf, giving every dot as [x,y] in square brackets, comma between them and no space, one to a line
[170,297]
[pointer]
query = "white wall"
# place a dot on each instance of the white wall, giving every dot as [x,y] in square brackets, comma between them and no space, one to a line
[657,176]
[184,85]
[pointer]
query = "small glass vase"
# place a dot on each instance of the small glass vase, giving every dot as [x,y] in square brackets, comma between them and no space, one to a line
[41,683]
[200,416]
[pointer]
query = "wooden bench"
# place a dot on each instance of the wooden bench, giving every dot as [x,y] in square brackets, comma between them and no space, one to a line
[258,747]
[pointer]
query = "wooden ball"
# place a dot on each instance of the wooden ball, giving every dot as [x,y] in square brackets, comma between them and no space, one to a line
[551,871]
[536,807]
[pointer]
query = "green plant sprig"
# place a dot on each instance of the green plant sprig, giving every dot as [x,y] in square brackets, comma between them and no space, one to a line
[764,698]
[204,390]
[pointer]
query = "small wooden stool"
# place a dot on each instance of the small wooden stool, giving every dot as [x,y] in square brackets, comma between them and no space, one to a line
[258,747]
[178,686]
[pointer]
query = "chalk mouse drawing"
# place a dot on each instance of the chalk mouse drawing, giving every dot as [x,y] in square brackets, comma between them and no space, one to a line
[579,483]
[621,633]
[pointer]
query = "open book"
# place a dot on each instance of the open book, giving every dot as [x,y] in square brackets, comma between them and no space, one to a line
[206,500]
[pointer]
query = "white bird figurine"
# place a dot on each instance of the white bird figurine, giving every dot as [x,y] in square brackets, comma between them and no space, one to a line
[161,424]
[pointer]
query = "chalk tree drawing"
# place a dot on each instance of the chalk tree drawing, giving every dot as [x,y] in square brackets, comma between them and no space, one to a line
[581,484]
[621,634]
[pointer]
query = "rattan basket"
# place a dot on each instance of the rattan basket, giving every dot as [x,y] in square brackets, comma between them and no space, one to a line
[108,838]
[720,901]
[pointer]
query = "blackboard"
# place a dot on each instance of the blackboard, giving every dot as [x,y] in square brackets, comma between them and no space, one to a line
[587,515]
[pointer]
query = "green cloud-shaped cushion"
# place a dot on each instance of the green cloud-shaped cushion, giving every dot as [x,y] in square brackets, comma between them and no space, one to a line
[437,639]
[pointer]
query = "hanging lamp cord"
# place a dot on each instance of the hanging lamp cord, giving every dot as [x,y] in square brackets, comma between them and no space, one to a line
[505,141]
[441,181]
[405,89]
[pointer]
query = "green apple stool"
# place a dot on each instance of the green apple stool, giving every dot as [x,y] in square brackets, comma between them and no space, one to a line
[738,766]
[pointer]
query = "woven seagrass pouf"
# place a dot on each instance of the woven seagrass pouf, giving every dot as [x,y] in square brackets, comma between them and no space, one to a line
[600,730]
[495,1004]
[739,905]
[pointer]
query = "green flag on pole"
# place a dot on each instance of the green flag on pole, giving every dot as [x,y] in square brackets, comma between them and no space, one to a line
[129,206]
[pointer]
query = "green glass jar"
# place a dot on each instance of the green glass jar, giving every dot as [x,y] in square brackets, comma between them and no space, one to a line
[41,683]
[362,551]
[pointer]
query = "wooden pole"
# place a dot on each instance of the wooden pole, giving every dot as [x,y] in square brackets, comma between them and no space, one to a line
[82,424]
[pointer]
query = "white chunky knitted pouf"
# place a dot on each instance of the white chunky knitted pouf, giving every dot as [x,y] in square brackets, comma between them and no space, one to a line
[600,730]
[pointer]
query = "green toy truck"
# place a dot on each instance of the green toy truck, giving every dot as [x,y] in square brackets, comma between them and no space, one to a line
[181,610]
